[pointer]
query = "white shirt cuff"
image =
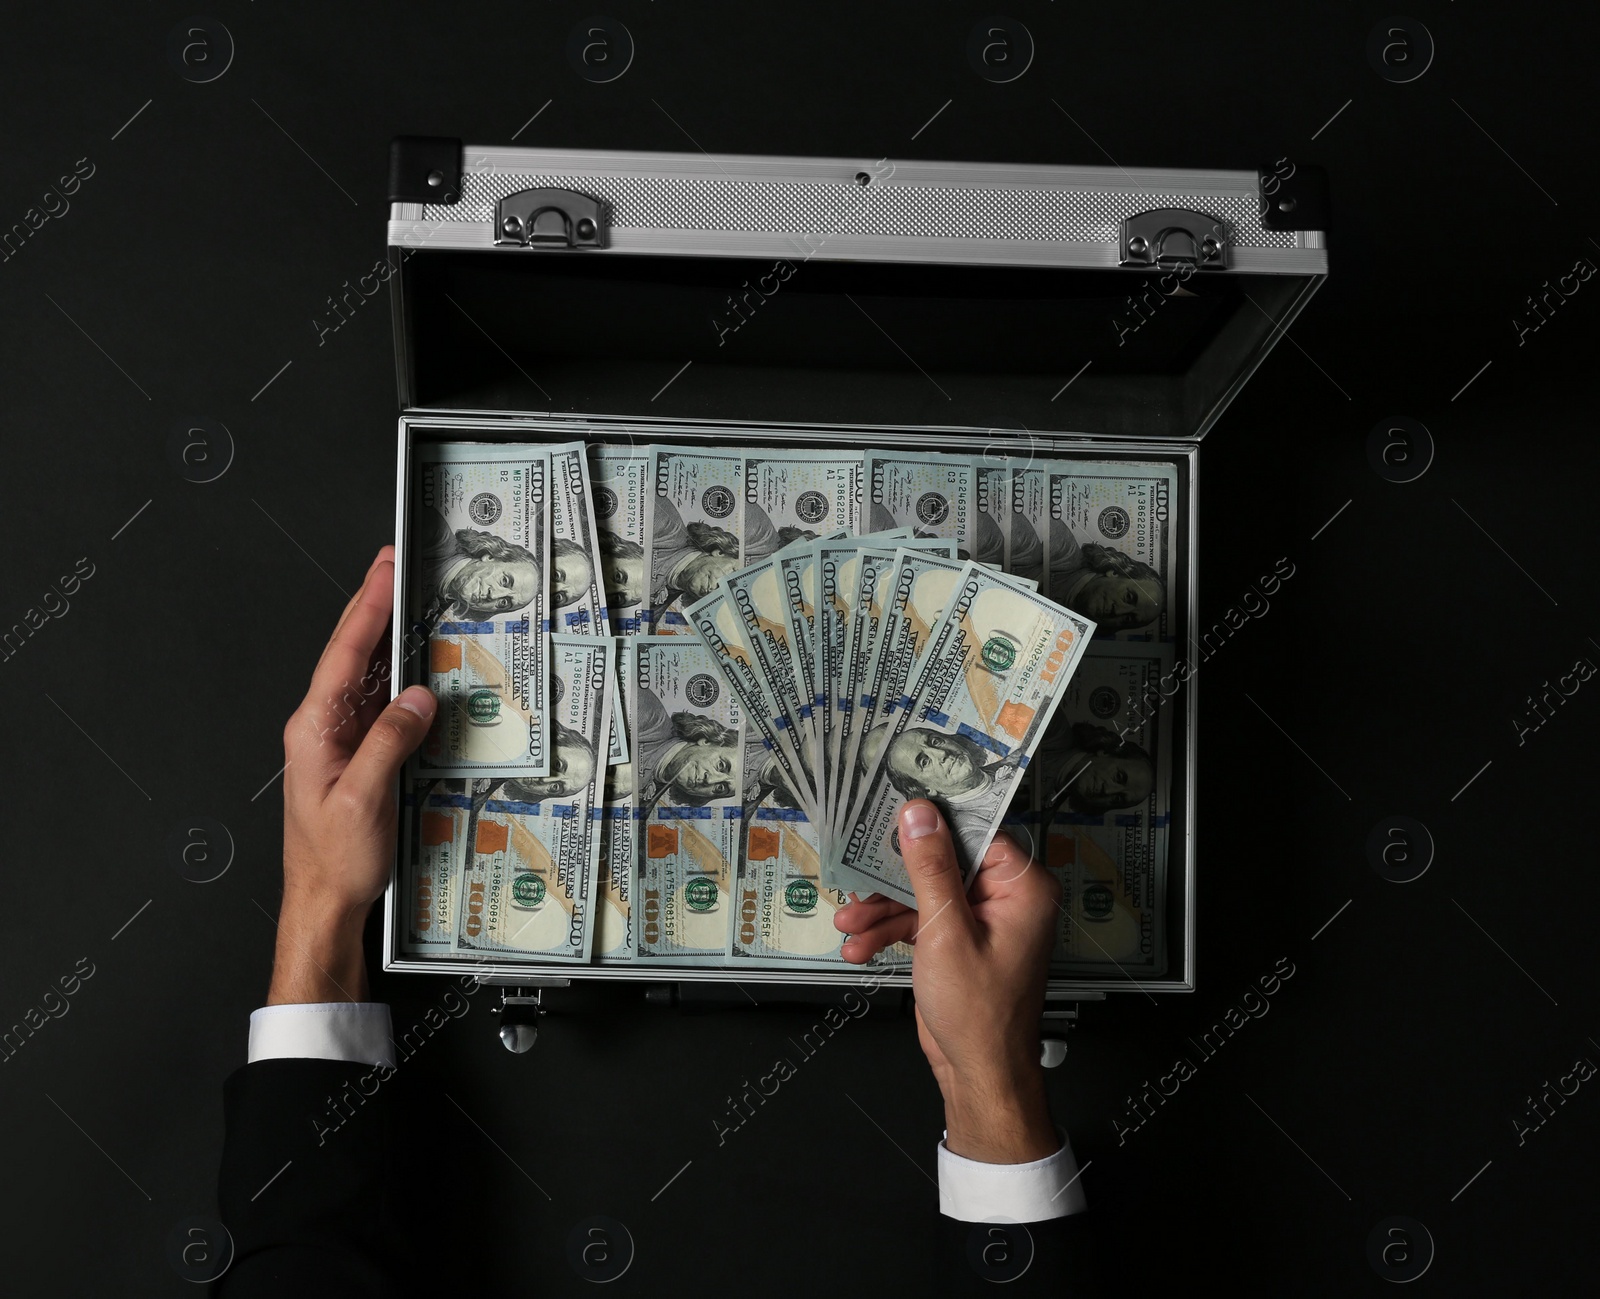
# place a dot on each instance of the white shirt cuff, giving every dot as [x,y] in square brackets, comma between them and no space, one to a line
[970,1191]
[356,1031]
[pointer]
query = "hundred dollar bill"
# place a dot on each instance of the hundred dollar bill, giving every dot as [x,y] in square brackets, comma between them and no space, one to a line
[837,583]
[577,594]
[891,629]
[613,914]
[837,575]
[933,494]
[1113,537]
[1104,774]
[529,883]
[757,598]
[798,495]
[799,586]
[619,752]
[783,905]
[435,838]
[1028,533]
[994,672]
[688,772]
[838,578]
[992,483]
[1027,543]
[797,582]
[873,569]
[479,546]
[620,477]
[718,626]
[695,527]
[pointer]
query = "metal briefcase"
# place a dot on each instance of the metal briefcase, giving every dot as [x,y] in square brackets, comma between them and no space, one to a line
[550,294]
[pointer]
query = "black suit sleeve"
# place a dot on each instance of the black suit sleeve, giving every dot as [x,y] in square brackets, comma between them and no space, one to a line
[304,1184]
[1055,1258]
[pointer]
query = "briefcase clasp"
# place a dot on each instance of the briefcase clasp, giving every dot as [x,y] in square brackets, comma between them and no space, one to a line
[549,218]
[1170,237]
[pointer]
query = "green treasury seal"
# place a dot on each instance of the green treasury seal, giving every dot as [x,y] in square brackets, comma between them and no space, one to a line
[483,708]
[1098,902]
[700,893]
[800,896]
[999,653]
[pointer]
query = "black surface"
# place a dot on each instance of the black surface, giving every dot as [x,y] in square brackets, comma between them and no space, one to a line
[1390,1069]
[604,335]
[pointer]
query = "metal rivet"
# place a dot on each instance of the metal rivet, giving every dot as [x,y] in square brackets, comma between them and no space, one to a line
[585,228]
[511,225]
[1210,247]
[1138,245]
[862,178]
[1286,205]
[435,179]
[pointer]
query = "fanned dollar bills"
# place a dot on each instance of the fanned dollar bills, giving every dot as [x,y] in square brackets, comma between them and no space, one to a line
[685,691]
[940,678]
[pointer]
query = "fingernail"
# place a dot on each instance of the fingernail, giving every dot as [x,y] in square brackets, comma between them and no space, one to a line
[416,699]
[918,820]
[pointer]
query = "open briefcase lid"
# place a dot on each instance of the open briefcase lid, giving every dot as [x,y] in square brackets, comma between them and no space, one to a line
[1073,301]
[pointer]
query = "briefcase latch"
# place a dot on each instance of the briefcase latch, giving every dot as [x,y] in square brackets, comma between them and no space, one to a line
[549,218]
[520,1012]
[1173,237]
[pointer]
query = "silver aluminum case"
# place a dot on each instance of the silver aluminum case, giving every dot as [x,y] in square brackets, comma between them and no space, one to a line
[679,204]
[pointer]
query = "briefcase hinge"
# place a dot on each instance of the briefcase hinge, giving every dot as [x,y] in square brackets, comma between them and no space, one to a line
[519,981]
[1172,237]
[549,218]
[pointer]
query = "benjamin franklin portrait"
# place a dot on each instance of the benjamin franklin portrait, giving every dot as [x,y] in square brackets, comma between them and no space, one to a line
[683,759]
[471,574]
[970,785]
[1097,771]
[1116,590]
[572,766]
[622,569]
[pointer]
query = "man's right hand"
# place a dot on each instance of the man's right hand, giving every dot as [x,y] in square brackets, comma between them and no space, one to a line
[978,974]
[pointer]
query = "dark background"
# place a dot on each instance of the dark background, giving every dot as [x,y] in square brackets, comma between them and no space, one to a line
[1391,1067]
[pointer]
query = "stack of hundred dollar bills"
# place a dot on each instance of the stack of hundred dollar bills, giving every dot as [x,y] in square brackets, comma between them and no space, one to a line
[685,690]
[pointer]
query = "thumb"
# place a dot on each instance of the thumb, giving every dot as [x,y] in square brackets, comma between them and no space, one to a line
[930,857]
[392,738]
